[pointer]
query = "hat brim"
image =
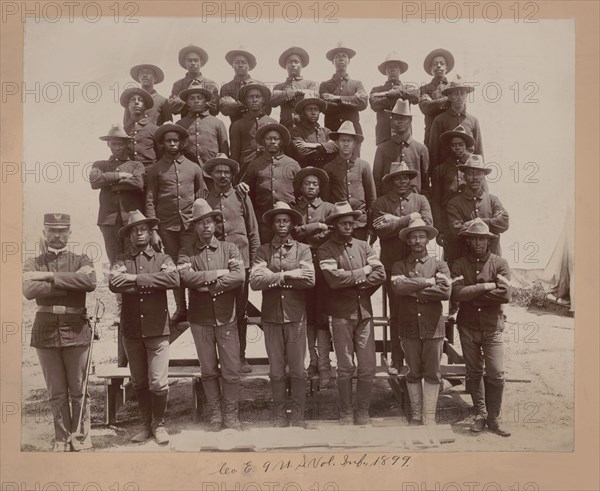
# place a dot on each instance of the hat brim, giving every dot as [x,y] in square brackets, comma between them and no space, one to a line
[311,171]
[466,88]
[184,94]
[56,225]
[439,52]
[108,138]
[123,231]
[334,135]
[129,93]
[446,137]
[209,165]
[391,113]
[403,66]
[307,101]
[431,232]
[474,234]
[330,55]
[135,72]
[192,49]
[267,215]
[304,58]
[160,132]
[464,167]
[213,214]
[411,173]
[282,130]
[331,218]
[232,54]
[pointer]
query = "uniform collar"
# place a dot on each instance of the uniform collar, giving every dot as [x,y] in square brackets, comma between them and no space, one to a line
[347,243]
[142,122]
[251,116]
[305,204]
[444,81]
[214,243]
[339,159]
[454,113]
[394,196]
[57,252]
[190,77]
[309,126]
[390,83]
[412,258]
[483,259]
[294,79]
[203,114]
[112,158]
[216,193]
[178,160]
[277,243]
[468,194]
[148,251]
[337,77]
[400,141]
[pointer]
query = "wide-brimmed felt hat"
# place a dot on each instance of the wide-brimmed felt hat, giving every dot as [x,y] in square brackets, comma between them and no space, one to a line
[266,93]
[241,51]
[282,130]
[311,171]
[342,209]
[136,217]
[341,46]
[347,128]
[418,224]
[302,103]
[221,159]
[401,108]
[282,207]
[457,83]
[477,228]
[166,127]
[201,209]
[184,94]
[116,132]
[474,162]
[399,169]
[294,50]
[439,52]
[135,72]
[395,58]
[183,52]
[459,132]
[129,93]
[57,220]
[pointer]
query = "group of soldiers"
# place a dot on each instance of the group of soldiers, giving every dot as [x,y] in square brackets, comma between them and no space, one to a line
[289,209]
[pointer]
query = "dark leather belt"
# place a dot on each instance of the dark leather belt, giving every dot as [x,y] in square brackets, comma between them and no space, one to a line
[61,309]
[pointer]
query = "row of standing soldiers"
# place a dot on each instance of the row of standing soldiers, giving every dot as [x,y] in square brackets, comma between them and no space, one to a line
[294,214]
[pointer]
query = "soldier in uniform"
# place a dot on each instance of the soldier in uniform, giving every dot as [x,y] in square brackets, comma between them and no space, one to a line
[420,283]
[354,273]
[143,277]
[139,127]
[283,270]
[147,76]
[214,271]
[482,286]
[59,280]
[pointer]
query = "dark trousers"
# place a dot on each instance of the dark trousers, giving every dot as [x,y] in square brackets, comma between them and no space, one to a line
[241,304]
[64,371]
[350,337]
[317,324]
[423,359]
[286,342]
[218,345]
[397,353]
[173,241]
[148,363]
[483,349]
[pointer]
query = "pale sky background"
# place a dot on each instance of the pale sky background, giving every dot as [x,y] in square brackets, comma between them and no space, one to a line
[500,55]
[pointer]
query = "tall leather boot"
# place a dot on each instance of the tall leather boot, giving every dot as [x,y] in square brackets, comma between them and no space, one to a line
[430,398]
[145,404]
[493,401]
[231,408]
[415,394]
[298,401]
[278,389]
[159,409]
[363,401]
[323,350]
[345,391]
[180,314]
[476,389]
[212,390]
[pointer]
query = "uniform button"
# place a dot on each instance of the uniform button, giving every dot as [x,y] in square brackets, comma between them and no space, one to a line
[477,271]
[349,196]
[214,299]
[282,296]
[209,259]
[225,235]
[419,314]
[141,315]
[141,267]
[141,299]
[224,221]
[478,310]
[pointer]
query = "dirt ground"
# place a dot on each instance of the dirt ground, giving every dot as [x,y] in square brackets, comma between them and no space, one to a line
[538,400]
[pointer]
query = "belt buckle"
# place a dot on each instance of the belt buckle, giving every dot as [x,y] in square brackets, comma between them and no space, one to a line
[59,309]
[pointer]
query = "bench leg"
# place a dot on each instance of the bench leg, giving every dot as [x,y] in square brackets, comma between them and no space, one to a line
[197,396]
[112,393]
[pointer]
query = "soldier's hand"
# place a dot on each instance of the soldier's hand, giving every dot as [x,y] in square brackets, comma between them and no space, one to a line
[368,269]
[323,227]
[443,279]
[242,189]
[125,175]
[155,241]
[490,286]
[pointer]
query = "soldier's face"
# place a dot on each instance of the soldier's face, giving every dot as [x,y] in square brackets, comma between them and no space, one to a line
[311,113]
[392,70]
[140,235]
[136,104]
[401,124]
[458,97]
[282,224]
[474,179]
[344,227]
[196,103]
[478,245]
[401,183]
[118,148]
[147,77]
[172,143]
[222,175]
[254,100]
[272,142]
[293,65]
[193,63]
[458,147]
[341,61]
[346,143]
[205,229]
[417,241]
[57,237]
[310,187]
[438,66]
[240,64]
